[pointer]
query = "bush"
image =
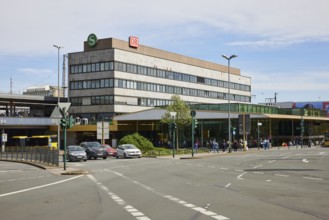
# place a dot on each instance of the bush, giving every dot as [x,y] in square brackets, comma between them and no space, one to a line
[139,141]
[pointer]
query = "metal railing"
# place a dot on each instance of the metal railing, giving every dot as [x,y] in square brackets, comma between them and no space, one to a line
[31,154]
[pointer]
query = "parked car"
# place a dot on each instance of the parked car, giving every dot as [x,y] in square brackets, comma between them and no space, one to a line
[110,150]
[94,150]
[76,153]
[128,151]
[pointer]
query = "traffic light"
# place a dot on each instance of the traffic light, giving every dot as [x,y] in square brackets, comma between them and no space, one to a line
[63,123]
[195,123]
[174,126]
[70,123]
[234,130]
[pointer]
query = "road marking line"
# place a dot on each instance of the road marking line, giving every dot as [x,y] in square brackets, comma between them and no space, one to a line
[272,161]
[133,211]
[268,180]
[198,209]
[258,172]
[305,160]
[227,185]
[39,187]
[240,176]
[312,178]
[260,165]
[239,170]
[174,199]
[282,175]
[223,168]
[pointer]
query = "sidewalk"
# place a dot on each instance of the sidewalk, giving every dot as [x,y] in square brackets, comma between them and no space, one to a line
[226,153]
[208,154]
[53,169]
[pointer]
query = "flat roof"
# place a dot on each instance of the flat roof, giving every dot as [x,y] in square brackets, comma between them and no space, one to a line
[25,100]
[156,114]
[112,43]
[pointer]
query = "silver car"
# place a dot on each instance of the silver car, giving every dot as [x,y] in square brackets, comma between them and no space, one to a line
[128,151]
[76,153]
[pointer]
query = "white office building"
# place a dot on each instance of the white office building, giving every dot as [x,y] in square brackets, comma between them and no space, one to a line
[111,77]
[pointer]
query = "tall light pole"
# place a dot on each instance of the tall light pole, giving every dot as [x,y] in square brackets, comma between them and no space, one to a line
[58,101]
[228,58]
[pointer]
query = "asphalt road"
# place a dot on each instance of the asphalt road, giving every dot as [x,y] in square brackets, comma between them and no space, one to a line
[272,184]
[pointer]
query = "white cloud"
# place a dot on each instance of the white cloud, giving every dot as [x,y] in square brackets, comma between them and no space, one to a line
[33,26]
[288,81]
[30,28]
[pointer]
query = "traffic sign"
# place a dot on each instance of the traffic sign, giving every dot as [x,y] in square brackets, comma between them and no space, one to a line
[56,114]
[64,105]
[193,113]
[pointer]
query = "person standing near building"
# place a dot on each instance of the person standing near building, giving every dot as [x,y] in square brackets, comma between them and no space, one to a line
[215,146]
[224,144]
[196,146]
[265,144]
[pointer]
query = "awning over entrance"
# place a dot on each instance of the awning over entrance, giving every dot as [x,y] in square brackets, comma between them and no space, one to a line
[156,114]
[297,117]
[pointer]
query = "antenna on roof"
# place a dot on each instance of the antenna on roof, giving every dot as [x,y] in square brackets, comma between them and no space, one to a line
[11,84]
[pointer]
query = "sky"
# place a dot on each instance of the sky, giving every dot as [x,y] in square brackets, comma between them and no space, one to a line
[282,45]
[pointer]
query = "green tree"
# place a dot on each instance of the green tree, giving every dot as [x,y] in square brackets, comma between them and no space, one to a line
[182,111]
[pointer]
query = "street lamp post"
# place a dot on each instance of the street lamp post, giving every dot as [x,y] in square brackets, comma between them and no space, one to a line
[173,131]
[228,58]
[58,100]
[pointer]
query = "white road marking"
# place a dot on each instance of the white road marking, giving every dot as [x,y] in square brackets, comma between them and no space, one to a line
[198,209]
[272,161]
[282,175]
[260,165]
[240,176]
[268,180]
[133,211]
[39,187]
[258,172]
[312,178]
[305,160]
[228,185]
[174,199]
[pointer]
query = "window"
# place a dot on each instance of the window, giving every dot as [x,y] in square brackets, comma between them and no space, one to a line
[200,80]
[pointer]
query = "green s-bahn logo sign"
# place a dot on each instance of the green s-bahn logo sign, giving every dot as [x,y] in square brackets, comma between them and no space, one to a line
[92,40]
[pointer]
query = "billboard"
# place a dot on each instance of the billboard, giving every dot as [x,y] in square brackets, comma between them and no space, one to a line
[316,105]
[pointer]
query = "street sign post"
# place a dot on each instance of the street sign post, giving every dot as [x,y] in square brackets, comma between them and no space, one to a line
[103,131]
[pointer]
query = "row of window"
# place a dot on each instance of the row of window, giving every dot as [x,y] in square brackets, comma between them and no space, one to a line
[109,100]
[129,84]
[154,72]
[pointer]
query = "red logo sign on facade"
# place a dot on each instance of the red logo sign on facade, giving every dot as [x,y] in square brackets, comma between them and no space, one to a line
[133,42]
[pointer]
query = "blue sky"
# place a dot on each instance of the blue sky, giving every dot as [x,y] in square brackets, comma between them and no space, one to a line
[282,45]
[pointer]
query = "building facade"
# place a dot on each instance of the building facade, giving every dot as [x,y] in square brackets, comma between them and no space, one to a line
[112,77]
[46,90]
